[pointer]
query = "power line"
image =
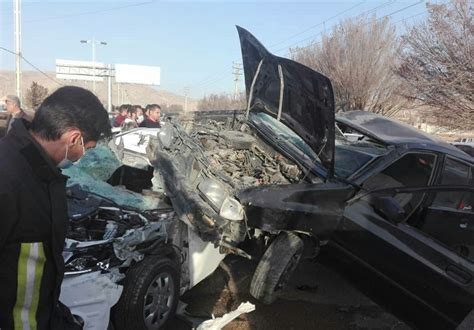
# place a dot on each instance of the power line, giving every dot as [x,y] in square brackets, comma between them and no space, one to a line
[363,13]
[91,12]
[371,10]
[214,81]
[34,66]
[315,26]
[205,80]
[320,34]
[407,18]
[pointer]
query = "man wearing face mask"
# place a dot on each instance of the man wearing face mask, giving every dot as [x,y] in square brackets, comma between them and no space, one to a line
[33,209]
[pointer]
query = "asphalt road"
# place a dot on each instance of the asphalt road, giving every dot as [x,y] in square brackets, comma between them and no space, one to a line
[317,298]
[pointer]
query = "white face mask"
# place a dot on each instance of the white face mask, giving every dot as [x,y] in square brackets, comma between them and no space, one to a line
[66,162]
[140,119]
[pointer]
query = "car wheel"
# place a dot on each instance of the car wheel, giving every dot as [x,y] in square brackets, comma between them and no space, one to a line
[276,266]
[150,295]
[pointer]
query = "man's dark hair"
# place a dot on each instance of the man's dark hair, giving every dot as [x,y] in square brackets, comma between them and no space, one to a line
[71,107]
[155,106]
[131,110]
[125,107]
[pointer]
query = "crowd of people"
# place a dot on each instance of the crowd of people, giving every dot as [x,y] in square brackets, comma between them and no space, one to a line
[132,116]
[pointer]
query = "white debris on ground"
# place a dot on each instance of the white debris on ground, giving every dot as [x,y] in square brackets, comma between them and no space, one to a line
[220,322]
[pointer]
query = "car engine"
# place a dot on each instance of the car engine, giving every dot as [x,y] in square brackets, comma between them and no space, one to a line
[102,235]
[243,160]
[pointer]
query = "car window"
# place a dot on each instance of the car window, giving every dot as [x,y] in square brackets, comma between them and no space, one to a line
[411,170]
[467,149]
[350,156]
[451,224]
[454,173]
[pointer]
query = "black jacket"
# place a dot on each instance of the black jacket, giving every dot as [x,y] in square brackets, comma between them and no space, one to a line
[150,123]
[33,223]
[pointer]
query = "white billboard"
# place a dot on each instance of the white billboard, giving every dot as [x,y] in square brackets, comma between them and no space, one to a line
[137,74]
[80,70]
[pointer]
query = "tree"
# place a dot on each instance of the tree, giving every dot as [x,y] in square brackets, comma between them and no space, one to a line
[359,57]
[222,102]
[437,62]
[35,95]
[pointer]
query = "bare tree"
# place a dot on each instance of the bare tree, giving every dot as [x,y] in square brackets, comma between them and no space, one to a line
[35,95]
[437,62]
[222,102]
[359,56]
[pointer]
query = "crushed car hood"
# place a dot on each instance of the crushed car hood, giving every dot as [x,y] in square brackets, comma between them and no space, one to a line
[307,98]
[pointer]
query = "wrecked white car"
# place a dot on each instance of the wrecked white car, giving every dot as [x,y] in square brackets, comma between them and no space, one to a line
[127,257]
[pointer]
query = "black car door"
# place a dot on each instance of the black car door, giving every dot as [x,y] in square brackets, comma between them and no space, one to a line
[411,262]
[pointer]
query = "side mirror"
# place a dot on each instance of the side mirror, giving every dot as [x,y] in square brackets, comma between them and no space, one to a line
[389,208]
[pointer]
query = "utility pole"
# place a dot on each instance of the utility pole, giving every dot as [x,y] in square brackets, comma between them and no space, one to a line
[109,87]
[186,93]
[93,42]
[118,93]
[17,17]
[237,72]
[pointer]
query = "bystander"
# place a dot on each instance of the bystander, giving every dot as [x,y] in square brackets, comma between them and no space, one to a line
[13,107]
[33,208]
[153,118]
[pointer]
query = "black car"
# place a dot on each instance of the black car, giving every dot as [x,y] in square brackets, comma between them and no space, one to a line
[467,147]
[396,201]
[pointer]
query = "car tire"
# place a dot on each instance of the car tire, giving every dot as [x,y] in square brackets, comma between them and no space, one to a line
[276,267]
[150,295]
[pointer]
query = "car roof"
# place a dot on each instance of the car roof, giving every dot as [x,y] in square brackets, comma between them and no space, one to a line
[393,132]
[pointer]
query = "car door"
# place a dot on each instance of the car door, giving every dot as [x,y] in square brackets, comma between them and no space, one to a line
[448,216]
[416,266]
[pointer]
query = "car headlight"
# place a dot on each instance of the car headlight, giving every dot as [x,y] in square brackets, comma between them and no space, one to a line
[231,209]
[220,200]
[214,192]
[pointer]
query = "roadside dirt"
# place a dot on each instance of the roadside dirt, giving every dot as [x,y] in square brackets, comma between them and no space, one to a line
[317,298]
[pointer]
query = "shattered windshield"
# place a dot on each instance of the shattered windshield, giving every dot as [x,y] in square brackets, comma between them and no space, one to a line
[350,156]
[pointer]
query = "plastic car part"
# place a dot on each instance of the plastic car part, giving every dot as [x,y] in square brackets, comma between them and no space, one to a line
[150,295]
[91,296]
[231,209]
[222,321]
[276,266]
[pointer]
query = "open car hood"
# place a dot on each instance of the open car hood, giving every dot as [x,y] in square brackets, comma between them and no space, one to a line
[300,97]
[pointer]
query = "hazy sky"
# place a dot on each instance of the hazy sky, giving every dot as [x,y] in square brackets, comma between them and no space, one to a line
[194,42]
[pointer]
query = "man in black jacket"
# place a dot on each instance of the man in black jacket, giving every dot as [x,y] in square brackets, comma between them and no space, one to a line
[33,209]
[152,120]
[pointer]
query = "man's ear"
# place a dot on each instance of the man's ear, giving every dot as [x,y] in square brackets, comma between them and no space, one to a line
[72,136]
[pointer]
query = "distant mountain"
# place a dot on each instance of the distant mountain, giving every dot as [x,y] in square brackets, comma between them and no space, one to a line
[125,93]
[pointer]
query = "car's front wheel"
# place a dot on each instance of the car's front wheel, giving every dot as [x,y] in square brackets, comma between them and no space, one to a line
[276,266]
[150,295]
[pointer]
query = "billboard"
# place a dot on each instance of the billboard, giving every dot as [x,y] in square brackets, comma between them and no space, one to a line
[81,70]
[137,74]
